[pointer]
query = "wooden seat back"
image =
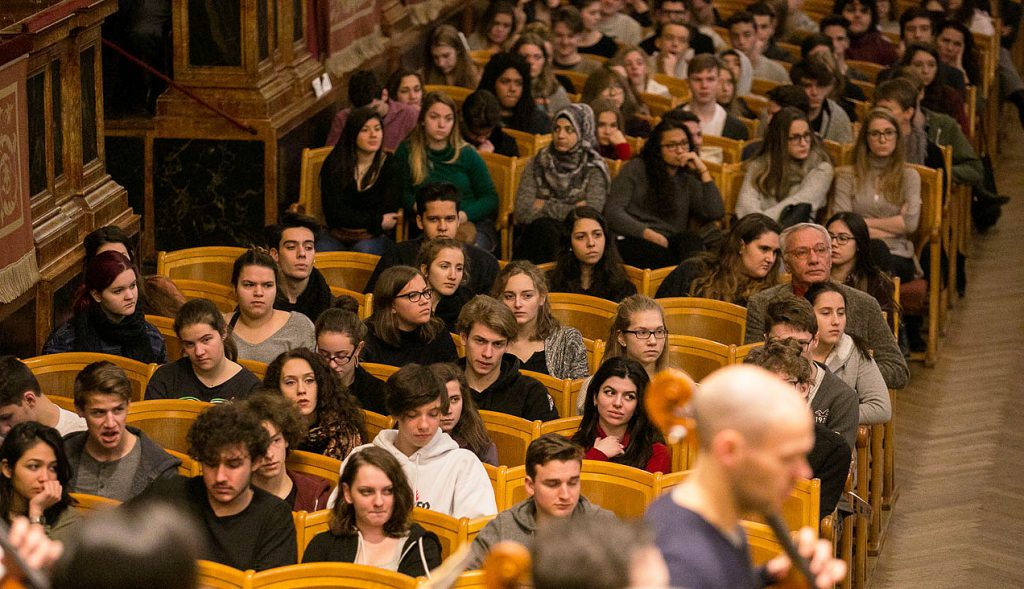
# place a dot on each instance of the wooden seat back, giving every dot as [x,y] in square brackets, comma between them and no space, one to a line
[710,319]
[309,181]
[56,372]
[166,421]
[696,356]
[209,263]
[349,270]
[331,574]
[591,315]
[511,434]
[221,295]
[317,465]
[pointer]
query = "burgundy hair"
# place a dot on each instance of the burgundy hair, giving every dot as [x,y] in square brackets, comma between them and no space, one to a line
[101,272]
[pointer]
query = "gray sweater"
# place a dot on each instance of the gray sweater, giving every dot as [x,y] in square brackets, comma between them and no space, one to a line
[866,202]
[627,210]
[595,188]
[861,373]
[518,524]
[298,332]
[863,319]
[565,354]
[815,179]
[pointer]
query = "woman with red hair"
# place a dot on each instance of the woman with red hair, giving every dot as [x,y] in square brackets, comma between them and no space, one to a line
[107,318]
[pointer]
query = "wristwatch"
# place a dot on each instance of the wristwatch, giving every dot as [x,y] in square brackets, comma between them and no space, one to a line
[37,520]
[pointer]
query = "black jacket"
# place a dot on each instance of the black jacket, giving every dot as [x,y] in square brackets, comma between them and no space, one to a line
[830,462]
[515,394]
[369,390]
[313,301]
[420,553]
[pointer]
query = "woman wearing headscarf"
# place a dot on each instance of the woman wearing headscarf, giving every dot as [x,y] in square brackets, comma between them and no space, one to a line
[567,173]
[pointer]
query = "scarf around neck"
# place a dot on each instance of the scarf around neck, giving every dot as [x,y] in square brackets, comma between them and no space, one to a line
[94,332]
[561,175]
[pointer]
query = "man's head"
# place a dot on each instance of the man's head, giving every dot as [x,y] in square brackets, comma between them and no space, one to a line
[898,96]
[437,210]
[553,466]
[743,33]
[103,394]
[785,358]
[692,122]
[416,398]
[789,95]
[486,327]
[365,89]
[566,28]
[816,79]
[837,28]
[917,26]
[703,76]
[792,319]
[19,394]
[292,244]
[229,441]
[754,433]
[807,253]
[673,38]
[764,21]
[672,11]
[481,114]
[286,427]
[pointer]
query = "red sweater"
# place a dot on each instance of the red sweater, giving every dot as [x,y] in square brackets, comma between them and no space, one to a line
[660,461]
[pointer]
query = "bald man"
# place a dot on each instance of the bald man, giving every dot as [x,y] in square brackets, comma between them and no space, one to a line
[755,432]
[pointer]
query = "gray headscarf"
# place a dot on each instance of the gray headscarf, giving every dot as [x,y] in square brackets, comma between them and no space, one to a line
[564,174]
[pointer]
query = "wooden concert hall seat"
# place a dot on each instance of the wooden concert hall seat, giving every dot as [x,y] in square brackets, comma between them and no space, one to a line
[56,372]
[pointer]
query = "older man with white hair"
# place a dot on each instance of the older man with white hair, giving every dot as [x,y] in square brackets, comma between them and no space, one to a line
[807,254]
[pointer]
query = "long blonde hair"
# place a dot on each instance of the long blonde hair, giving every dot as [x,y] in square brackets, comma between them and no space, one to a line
[419,162]
[890,181]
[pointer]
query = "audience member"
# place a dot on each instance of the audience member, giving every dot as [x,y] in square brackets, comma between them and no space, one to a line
[621,27]
[541,343]
[22,399]
[673,53]
[111,459]
[333,420]
[611,141]
[359,190]
[807,253]
[566,35]
[397,118]
[638,332]
[765,26]
[443,264]
[790,179]
[818,48]
[208,371]
[444,477]
[287,429]
[507,76]
[406,86]
[402,328]
[371,524]
[447,60]
[593,41]
[734,104]
[243,526]
[157,294]
[918,26]
[654,198]
[106,317]
[434,153]
[677,11]
[753,433]
[704,84]
[340,337]
[853,260]
[438,215]
[588,260]
[36,480]
[552,483]
[486,327]
[866,42]
[615,426]
[827,117]
[258,331]
[462,420]
[743,34]
[292,245]
[547,92]
[747,262]
[739,64]
[481,125]
[923,60]
[566,174]
[879,170]
[497,28]
[845,357]
[607,83]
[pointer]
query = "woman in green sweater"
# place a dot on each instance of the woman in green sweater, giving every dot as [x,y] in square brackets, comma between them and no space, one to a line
[435,153]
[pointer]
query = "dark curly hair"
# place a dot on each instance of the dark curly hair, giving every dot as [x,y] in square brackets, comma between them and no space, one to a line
[224,425]
[269,405]
[334,402]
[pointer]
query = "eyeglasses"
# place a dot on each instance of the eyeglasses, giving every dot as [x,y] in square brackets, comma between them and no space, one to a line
[801,138]
[615,90]
[841,238]
[679,145]
[416,295]
[645,334]
[888,134]
[338,359]
[802,253]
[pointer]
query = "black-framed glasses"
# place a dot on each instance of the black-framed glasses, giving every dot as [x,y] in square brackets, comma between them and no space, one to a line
[339,359]
[645,334]
[841,238]
[416,295]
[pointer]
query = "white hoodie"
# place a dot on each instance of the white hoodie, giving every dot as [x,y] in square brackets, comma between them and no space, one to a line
[443,477]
